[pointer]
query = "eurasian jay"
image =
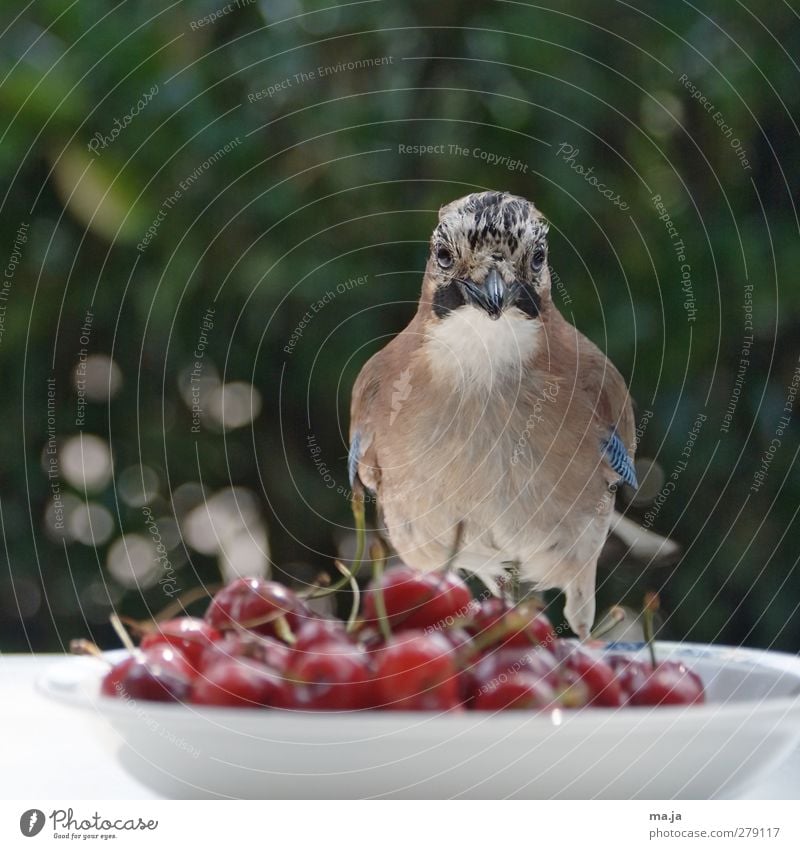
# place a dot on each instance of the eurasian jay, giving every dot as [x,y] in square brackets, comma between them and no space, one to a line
[492,419]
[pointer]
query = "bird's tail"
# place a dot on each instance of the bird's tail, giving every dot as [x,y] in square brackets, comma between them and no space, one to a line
[643,543]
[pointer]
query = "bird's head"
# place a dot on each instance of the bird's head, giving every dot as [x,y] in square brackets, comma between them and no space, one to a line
[488,253]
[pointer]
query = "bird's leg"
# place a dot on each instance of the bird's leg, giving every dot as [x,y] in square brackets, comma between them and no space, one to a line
[378,555]
[511,584]
[580,607]
[359,516]
[455,549]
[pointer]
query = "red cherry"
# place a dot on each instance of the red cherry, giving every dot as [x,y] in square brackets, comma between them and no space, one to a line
[405,590]
[451,601]
[416,600]
[465,655]
[370,638]
[244,644]
[192,636]
[241,683]
[603,685]
[316,632]
[464,649]
[416,671]
[112,680]
[160,673]
[505,662]
[669,683]
[629,671]
[250,600]
[521,691]
[573,692]
[497,623]
[335,677]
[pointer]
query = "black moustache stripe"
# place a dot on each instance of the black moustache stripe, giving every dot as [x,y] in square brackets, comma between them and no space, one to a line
[451,296]
[528,301]
[447,298]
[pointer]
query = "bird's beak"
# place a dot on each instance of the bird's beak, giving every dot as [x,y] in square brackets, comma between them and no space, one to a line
[492,296]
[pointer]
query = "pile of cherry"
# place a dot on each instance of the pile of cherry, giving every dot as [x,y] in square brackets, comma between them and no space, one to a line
[422,643]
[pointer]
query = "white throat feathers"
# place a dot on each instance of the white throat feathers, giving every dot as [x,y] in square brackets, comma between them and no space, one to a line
[471,349]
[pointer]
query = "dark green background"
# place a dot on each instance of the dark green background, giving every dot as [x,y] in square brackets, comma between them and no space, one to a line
[317,193]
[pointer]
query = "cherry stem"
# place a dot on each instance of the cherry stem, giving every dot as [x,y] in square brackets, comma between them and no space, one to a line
[456,548]
[250,636]
[140,627]
[651,605]
[378,554]
[87,648]
[321,582]
[359,516]
[180,604]
[614,617]
[497,634]
[514,583]
[353,618]
[124,636]
[284,630]
[147,626]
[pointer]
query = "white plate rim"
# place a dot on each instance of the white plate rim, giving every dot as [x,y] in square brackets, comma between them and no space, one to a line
[74,681]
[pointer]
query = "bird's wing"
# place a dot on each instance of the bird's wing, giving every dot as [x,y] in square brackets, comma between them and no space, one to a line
[618,458]
[354,457]
[362,465]
[614,415]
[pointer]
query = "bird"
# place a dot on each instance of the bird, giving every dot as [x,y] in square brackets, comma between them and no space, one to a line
[491,419]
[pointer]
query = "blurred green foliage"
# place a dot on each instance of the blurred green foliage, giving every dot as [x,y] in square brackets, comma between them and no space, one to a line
[316,193]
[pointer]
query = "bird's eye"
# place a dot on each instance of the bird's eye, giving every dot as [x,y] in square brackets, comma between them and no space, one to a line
[444,258]
[537,260]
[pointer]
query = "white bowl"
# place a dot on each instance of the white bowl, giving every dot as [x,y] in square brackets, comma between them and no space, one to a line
[750,723]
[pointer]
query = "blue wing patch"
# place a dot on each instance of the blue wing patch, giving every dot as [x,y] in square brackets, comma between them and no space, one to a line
[353,457]
[618,459]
